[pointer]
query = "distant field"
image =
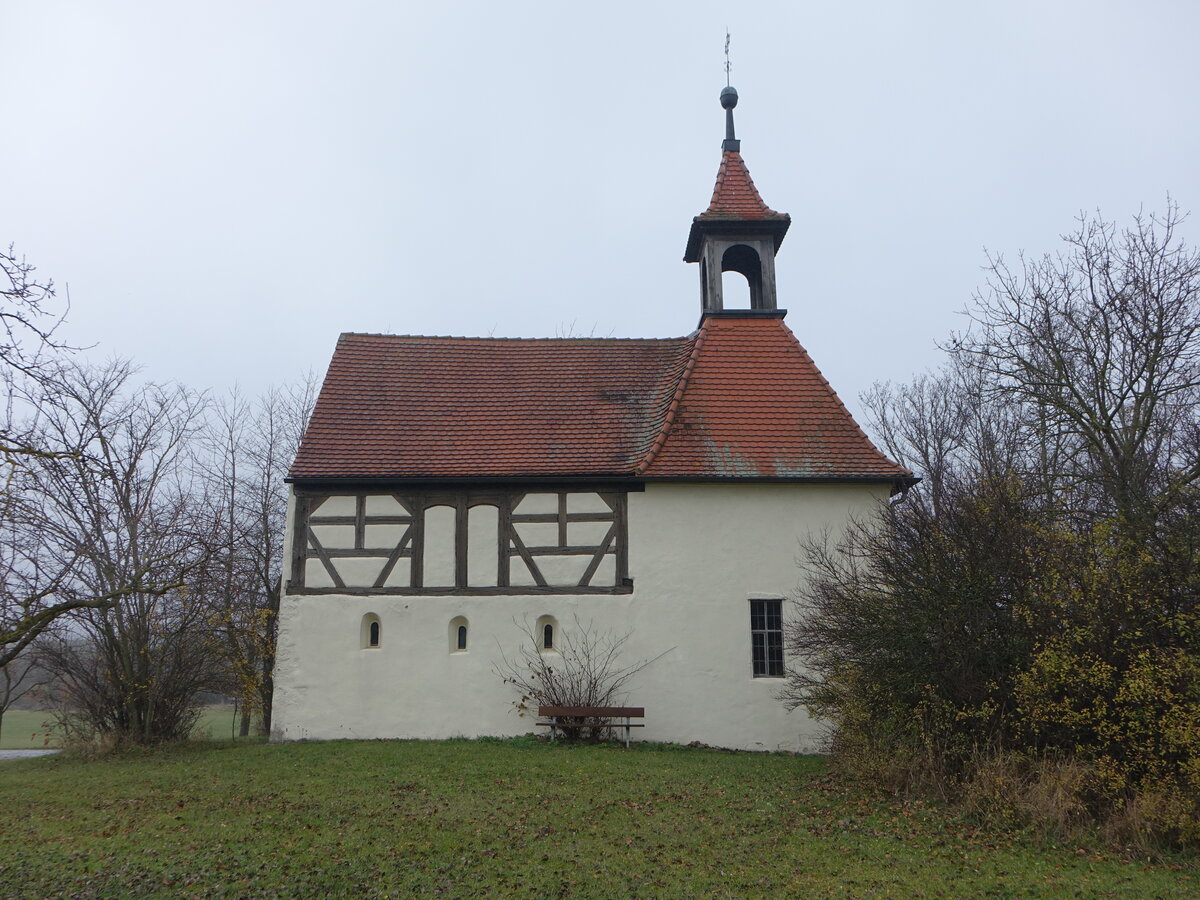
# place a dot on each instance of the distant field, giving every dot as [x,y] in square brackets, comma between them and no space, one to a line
[25,729]
[506,819]
[216,723]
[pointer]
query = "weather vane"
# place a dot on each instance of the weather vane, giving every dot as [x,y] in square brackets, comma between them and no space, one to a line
[728,65]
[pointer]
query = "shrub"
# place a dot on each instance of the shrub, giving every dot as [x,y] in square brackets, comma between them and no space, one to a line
[584,669]
[1022,630]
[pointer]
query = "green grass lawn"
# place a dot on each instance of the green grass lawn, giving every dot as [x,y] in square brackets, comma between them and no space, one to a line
[215,723]
[507,818]
[28,729]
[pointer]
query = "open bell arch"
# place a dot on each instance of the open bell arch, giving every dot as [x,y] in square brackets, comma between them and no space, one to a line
[750,255]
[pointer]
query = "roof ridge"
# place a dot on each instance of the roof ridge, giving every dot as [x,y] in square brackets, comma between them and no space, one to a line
[837,399]
[673,406]
[498,339]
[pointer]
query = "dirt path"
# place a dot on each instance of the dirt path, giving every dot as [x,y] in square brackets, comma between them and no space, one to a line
[24,754]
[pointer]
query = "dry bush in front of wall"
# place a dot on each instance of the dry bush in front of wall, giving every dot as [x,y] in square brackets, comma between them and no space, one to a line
[1059,795]
[584,669]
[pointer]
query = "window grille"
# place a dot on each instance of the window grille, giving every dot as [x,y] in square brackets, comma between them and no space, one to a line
[766,636]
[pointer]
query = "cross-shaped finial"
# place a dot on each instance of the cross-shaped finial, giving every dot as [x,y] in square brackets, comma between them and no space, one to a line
[728,64]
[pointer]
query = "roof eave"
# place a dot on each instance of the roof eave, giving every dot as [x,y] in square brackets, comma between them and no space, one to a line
[904,480]
[776,225]
[317,482]
[628,482]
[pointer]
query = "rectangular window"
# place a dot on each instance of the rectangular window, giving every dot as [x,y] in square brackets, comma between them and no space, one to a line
[766,637]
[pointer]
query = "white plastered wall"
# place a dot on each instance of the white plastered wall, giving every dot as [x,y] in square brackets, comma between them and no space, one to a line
[697,554]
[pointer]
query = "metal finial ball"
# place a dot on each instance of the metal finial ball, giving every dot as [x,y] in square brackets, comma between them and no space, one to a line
[728,97]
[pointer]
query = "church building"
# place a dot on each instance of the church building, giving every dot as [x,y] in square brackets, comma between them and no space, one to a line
[457,499]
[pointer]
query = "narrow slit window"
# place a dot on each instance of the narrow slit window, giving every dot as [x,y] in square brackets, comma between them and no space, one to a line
[370,632]
[456,634]
[544,634]
[766,637]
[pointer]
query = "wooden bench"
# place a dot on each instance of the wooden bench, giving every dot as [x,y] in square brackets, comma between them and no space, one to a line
[585,717]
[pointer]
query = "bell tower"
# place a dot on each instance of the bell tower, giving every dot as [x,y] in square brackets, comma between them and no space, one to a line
[738,232]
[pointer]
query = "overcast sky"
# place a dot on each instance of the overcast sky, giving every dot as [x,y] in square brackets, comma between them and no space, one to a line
[226,186]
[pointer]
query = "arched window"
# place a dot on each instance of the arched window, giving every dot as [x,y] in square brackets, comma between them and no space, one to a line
[744,260]
[439,551]
[370,632]
[735,290]
[546,634]
[458,634]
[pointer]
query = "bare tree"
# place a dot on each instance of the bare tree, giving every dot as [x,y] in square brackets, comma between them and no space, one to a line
[1035,599]
[120,518]
[165,573]
[29,581]
[43,555]
[18,678]
[586,669]
[249,448]
[1100,348]
[29,315]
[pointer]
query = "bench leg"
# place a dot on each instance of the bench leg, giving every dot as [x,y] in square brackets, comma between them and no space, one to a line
[627,732]
[553,726]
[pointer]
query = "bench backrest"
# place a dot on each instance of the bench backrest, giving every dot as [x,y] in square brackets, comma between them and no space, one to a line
[631,712]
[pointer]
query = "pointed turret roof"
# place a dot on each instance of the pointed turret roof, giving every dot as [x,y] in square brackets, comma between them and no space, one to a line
[735,196]
[736,203]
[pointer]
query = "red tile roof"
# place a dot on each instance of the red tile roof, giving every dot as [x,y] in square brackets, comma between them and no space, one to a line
[735,196]
[739,398]
[752,404]
[450,407]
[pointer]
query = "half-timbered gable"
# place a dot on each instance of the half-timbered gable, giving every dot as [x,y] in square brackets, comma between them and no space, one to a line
[453,495]
[475,541]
